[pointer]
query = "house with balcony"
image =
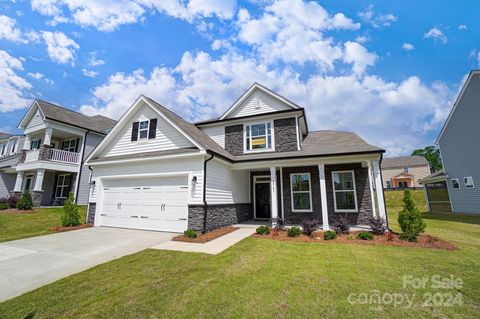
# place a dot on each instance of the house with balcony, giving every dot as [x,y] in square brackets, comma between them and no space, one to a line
[10,146]
[50,160]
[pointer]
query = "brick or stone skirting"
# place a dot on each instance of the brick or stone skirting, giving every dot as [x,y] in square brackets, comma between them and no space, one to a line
[44,152]
[91,213]
[234,139]
[285,135]
[36,198]
[22,157]
[218,215]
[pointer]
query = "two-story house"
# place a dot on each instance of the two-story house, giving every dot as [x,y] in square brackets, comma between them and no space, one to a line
[50,158]
[10,146]
[257,161]
[404,171]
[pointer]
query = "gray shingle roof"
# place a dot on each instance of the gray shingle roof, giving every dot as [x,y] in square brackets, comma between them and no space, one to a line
[402,161]
[4,135]
[97,123]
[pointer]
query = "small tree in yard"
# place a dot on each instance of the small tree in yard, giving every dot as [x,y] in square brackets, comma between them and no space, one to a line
[71,217]
[25,202]
[410,219]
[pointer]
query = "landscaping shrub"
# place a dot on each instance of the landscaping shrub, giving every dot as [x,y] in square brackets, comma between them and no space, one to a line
[25,202]
[190,233]
[365,235]
[341,225]
[12,201]
[329,235]
[294,231]
[378,226]
[310,225]
[410,219]
[263,230]
[3,206]
[70,217]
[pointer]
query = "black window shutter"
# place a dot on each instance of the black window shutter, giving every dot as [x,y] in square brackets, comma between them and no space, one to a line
[134,131]
[152,130]
[76,144]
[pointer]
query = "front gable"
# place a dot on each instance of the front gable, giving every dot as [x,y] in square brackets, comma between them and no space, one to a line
[33,118]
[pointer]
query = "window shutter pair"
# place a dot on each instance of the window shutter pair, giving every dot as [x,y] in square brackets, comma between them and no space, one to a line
[152,130]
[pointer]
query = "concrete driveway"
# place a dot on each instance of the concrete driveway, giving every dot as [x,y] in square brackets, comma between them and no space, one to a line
[30,263]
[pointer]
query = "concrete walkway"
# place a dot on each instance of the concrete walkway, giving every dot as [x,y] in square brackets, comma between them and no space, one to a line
[213,247]
[30,263]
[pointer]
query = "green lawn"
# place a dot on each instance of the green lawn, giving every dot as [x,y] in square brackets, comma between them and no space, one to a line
[394,198]
[264,279]
[16,226]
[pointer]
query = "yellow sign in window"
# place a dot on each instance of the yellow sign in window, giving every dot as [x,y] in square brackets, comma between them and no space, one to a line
[258,141]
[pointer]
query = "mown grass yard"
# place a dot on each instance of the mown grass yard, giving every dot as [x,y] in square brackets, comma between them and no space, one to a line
[18,225]
[260,278]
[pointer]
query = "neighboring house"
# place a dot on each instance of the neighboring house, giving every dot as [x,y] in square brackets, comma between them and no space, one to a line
[10,146]
[404,171]
[154,170]
[459,143]
[49,160]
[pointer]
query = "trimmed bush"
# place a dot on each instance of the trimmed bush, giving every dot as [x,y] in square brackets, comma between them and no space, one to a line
[329,235]
[365,235]
[25,202]
[4,206]
[410,219]
[12,201]
[310,225]
[378,226]
[294,231]
[263,230]
[190,233]
[70,217]
[341,225]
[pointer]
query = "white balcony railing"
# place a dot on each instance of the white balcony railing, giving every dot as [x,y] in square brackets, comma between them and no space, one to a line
[57,155]
[32,156]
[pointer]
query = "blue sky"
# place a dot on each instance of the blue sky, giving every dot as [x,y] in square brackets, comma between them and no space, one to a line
[388,70]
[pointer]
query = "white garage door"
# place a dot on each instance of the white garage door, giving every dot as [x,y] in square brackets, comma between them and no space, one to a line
[147,203]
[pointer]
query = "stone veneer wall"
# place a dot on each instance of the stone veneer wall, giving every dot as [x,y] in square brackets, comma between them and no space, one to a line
[285,135]
[234,139]
[218,215]
[91,213]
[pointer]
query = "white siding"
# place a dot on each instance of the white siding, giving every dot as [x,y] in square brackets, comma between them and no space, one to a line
[92,141]
[418,173]
[259,103]
[36,120]
[167,137]
[225,186]
[216,133]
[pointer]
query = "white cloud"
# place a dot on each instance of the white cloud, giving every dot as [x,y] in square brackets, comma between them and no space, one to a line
[376,20]
[12,85]
[362,39]
[89,73]
[436,34]
[36,75]
[462,27]
[60,48]
[358,56]
[407,46]
[8,30]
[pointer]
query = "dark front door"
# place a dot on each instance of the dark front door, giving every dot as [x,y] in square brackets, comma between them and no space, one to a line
[262,200]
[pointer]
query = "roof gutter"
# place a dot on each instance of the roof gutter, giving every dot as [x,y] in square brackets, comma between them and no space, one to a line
[205,205]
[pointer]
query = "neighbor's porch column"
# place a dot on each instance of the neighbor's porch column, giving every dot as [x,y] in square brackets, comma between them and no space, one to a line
[379,188]
[39,180]
[18,182]
[48,136]
[274,196]
[323,196]
[370,183]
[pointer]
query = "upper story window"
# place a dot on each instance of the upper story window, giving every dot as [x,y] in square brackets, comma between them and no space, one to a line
[143,129]
[35,144]
[2,149]
[468,181]
[405,169]
[70,145]
[258,137]
[455,183]
[14,146]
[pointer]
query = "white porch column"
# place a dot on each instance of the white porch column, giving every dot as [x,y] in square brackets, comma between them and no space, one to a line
[379,188]
[39,180]
[48,136]
[323,196]
[26,143]
[370,183]
[18,182]
[273,193]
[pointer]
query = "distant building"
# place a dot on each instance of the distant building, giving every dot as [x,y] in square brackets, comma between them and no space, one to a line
[404,171]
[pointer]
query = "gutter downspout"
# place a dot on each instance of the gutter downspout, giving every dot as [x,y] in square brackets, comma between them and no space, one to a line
[383,191]
[205,192]
[88,198]
[81,165]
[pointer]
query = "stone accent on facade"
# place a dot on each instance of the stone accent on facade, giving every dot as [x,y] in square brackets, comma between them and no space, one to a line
[15,194]
[44,152]
[36,198]
[285,135]
[234,139]
[91,213]
[218,215]
[22,157]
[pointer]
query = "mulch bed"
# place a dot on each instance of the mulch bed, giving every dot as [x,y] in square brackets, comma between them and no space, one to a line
[68,228]
[203,238]
[17,211]
[388,239]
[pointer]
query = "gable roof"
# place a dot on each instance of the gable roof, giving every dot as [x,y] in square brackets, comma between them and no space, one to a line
[96,123]
[251,89]
[5,135]
[438,176]
[472,74]
[402,161]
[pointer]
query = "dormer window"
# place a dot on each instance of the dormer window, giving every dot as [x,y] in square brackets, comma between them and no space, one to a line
[143,130]
[258,137]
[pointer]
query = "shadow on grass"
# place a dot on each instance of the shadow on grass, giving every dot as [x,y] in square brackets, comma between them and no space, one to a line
[453,217]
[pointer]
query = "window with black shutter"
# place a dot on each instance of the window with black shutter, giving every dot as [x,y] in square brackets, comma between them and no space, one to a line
[135,131]
[152,130]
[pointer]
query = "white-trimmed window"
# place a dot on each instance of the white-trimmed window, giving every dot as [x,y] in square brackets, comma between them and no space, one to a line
[301,191]
[14,146]
[2,149]
[468,181]
[405,169]
[69,145]
[143,129]
[344,192]
[258,137]
[455,183]
[34,145]
[63,186]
